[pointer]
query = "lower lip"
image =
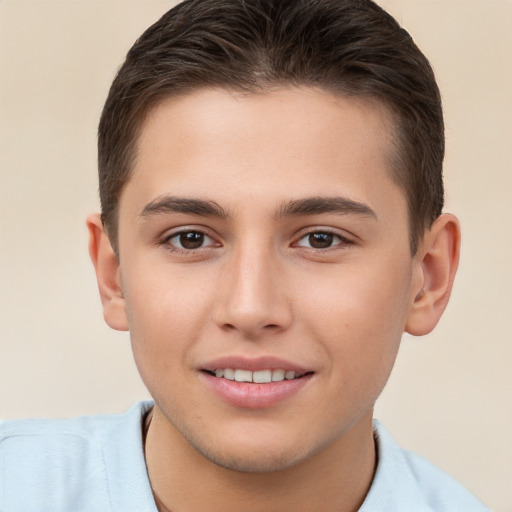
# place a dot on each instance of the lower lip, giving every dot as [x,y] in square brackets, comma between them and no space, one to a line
[254,396]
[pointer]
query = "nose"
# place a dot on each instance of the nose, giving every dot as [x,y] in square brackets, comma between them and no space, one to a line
[252,295]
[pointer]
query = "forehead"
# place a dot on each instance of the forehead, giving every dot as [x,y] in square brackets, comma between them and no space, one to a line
[289,142]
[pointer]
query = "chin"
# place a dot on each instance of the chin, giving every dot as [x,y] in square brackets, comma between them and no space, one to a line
[254,462]
[261,452]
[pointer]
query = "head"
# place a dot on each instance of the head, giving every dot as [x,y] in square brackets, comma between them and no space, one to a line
[270,176]
[350,48]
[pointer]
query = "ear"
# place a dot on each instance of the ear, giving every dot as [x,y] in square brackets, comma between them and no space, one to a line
[437,261]
[108,274]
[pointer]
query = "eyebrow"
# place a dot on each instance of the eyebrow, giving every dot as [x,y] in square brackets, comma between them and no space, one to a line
[299,207]
[319,205]
[172,204]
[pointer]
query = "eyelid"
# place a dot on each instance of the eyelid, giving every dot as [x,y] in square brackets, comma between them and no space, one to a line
[344,240]
[175,232]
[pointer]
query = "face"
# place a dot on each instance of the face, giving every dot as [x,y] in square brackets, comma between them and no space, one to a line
[262,239]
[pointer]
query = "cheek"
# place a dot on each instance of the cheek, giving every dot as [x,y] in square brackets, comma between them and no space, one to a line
[166,314]
[358,315]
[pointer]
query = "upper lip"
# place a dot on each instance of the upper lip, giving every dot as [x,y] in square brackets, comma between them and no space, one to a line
[254,364]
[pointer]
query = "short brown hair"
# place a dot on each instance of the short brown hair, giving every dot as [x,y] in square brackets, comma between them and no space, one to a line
[349,47]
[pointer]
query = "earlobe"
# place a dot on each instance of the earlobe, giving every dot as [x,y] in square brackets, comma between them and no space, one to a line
[437,260]
[108,274]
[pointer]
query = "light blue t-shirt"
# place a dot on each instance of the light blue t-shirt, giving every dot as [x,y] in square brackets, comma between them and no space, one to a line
[96,464]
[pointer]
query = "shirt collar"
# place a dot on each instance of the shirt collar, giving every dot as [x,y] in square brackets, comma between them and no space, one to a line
[394,486]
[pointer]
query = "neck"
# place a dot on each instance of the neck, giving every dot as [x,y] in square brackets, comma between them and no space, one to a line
[183,480]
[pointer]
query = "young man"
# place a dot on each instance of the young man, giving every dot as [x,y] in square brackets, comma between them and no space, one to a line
[271,190]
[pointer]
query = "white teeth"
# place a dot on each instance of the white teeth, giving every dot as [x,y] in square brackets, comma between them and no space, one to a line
[229,374]
[277,375]
[262,376]
[258,377]
[243,376]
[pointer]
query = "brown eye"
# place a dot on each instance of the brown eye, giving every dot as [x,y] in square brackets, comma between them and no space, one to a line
[189,240]
[323,240]
[320,240]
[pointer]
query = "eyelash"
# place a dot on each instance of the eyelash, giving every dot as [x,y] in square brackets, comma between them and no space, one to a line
[178,234]
[342,241]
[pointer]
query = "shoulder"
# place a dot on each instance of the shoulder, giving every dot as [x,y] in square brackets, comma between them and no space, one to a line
[64,464]
[405,481]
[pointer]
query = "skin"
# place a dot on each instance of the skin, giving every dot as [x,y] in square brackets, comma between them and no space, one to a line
[257,287]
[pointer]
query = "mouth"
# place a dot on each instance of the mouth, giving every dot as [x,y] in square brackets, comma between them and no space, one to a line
[254,383]
[265,376]
[258,387]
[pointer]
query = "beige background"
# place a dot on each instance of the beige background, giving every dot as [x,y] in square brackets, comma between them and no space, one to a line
[450,396]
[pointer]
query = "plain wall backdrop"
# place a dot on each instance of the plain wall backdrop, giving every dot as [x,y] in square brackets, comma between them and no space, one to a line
[450,394]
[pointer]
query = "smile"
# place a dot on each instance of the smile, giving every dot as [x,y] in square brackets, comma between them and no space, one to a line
[255,383]
[258,377]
